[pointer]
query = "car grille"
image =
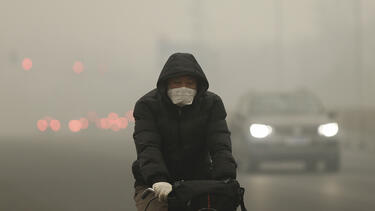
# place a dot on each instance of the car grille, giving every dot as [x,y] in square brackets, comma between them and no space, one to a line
[296,130]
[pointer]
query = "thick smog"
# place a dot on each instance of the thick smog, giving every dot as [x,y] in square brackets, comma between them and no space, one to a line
[101,100]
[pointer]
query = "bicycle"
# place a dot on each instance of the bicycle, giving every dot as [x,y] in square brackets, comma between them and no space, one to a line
[202,195]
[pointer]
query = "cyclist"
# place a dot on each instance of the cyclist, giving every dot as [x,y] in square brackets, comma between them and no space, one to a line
[180,133]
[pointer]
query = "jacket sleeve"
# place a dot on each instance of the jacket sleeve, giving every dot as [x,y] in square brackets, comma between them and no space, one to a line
[148,145]
[219,143]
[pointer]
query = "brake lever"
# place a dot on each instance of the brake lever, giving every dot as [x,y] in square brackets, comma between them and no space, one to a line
[146,192]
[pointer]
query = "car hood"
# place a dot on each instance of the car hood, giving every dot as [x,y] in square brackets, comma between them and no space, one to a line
[284,120]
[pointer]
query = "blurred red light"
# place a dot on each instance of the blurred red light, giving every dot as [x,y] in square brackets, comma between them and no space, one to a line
[116,125]
[42,125]
[55,125]
[75,125]
[123,122]
[113,116]
[78,67]
[111,121]
[27,63]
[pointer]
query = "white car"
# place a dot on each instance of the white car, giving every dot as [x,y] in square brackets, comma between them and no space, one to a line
[284,127]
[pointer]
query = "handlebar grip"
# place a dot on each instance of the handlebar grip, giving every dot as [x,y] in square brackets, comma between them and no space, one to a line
[146,192]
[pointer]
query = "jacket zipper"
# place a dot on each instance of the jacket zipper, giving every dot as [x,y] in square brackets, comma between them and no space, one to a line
[179,127]
[179,134]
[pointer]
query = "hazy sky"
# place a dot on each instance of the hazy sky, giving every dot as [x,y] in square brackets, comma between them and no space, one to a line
[326,46]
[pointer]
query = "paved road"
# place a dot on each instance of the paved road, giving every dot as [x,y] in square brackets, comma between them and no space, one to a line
[83,172]
[289,188]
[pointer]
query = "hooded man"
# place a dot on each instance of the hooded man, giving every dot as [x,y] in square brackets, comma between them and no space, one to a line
[180,133]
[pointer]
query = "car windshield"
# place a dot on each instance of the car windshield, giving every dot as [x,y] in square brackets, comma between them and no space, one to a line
[285,104]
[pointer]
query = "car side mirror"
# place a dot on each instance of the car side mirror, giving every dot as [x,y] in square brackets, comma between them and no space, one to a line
[332,114]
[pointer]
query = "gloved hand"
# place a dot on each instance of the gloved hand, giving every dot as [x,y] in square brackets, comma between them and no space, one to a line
[162,189]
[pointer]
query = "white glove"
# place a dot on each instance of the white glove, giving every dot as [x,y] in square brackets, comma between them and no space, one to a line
[162,189]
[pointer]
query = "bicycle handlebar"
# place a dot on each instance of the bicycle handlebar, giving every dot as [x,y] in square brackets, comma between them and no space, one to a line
[146,192]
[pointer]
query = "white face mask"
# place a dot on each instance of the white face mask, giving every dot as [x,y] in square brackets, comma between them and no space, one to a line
[182,96]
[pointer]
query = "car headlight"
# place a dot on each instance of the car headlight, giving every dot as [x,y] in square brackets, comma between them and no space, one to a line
[260,130]
[329,129]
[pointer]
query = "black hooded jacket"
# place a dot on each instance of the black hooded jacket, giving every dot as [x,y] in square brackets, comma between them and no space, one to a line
[189,142]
